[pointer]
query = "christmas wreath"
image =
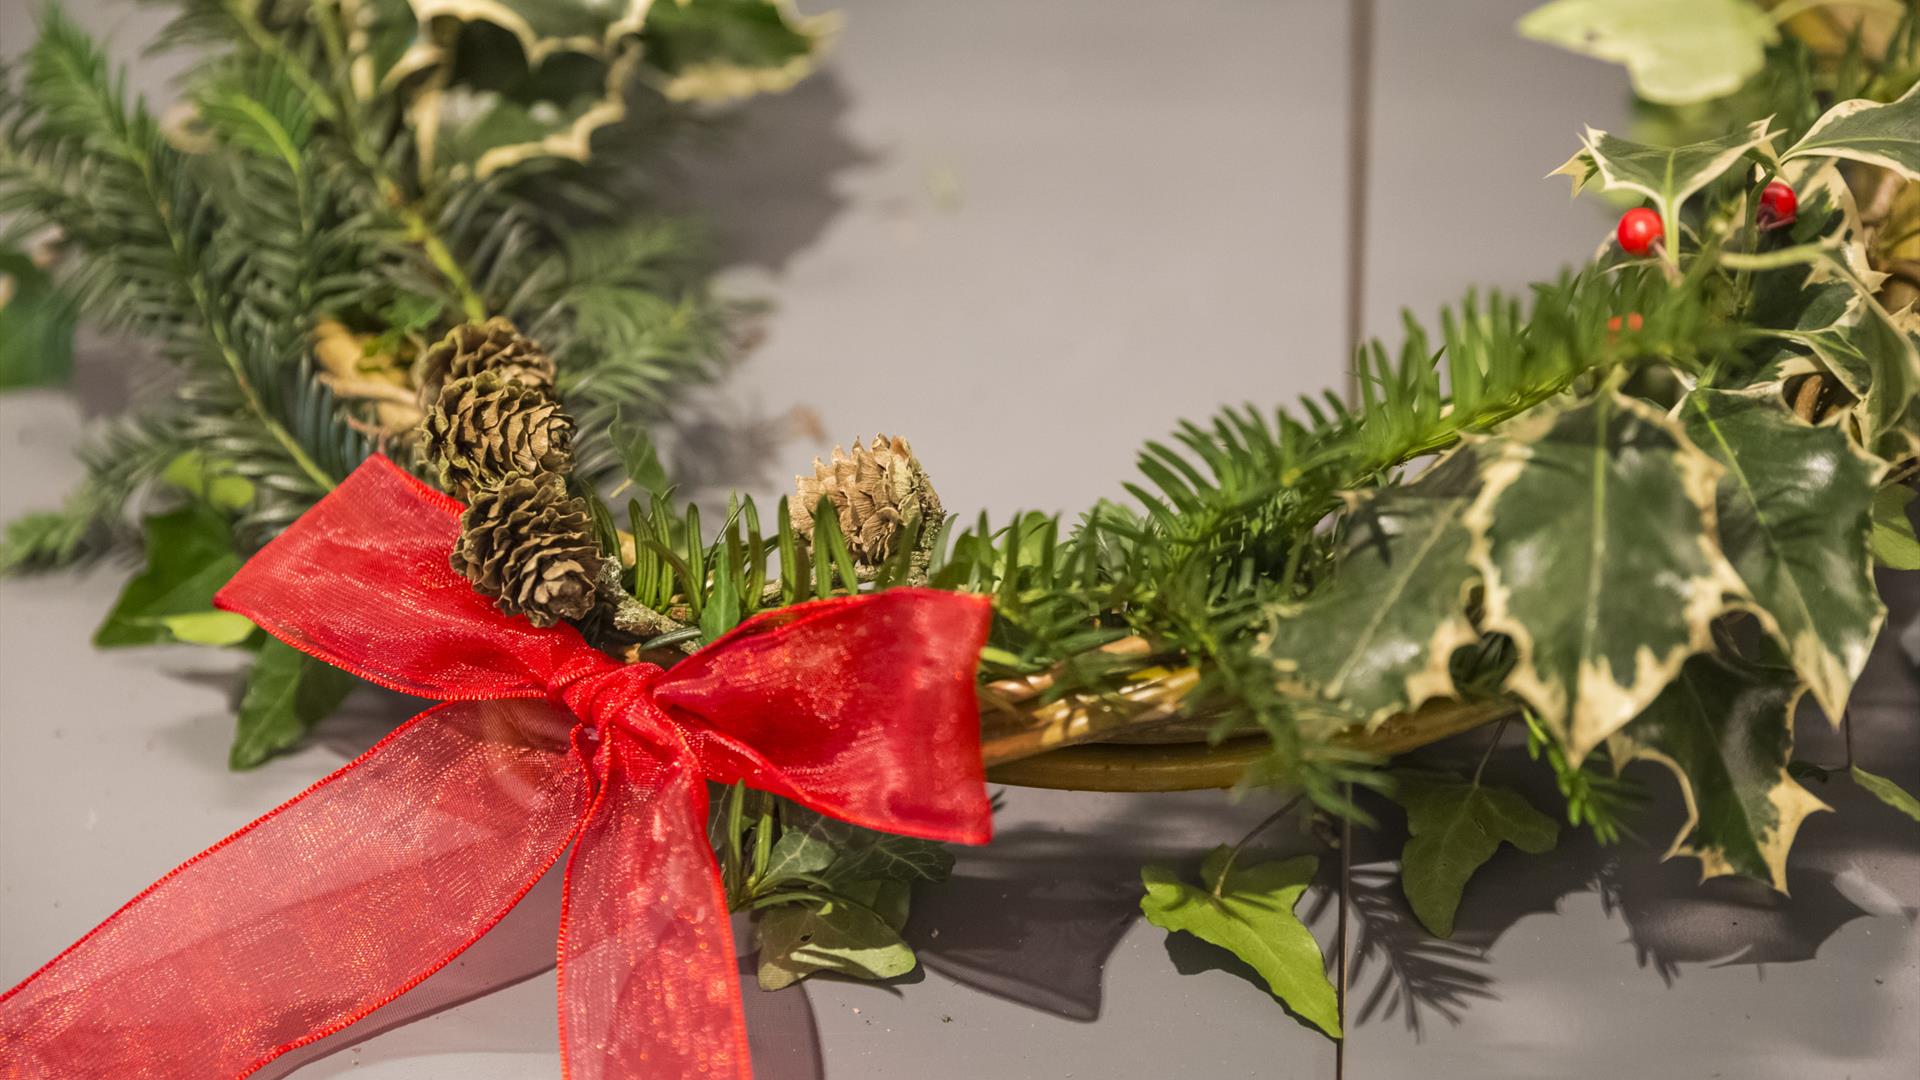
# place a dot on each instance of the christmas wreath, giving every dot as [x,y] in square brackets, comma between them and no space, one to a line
[1636,513]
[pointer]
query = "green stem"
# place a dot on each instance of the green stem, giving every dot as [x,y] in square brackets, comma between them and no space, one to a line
[1265,823]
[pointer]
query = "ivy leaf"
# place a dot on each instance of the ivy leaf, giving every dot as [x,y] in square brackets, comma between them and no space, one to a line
[1892,539]
[213,482]
[1867,131]
[1378,637]
[1250,914]
[861,855]
[190,554]
[1593,536]
[1725,730]
[1887,792]
[287,693]
[1676,54]
[1667,176]
[1455,826]
[855,938]
[1794,513]
[215,628]
[36,325]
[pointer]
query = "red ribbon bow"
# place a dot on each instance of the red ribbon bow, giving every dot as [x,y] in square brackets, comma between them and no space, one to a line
[352,893]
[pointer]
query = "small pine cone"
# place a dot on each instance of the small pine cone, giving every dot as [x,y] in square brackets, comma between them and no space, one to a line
[876,490]
[484,427]
[529,545]
[472,348]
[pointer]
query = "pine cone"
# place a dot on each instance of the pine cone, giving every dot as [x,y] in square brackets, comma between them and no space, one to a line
[484,427]
[529,545]
[472,348]
[875,490]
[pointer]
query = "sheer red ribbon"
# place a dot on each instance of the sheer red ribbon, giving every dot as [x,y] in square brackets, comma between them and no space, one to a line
[337,902]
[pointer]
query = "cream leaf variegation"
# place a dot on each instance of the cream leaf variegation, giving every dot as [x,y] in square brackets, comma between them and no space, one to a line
[1593,535]
[1667,176]
[1870,132]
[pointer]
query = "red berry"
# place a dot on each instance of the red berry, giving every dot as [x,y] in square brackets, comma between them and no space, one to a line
[1639,230]
[1634,323]
[1778,206]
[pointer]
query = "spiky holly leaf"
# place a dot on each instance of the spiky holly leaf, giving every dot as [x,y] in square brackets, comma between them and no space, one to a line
[1867,131]
[1594,539]
[1725,730]
[1794,507]
[1666,175]
[717,50]
[1676,54]
[1378,636]
[1893,540]
[1887,791]
[1454,827]
[1248,911]
[1872,358]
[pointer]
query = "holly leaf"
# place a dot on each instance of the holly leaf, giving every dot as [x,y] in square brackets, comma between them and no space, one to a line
[1378,636]
[1887,792]
[1794,509]
[1248,911]
[1454,827]
[190,554]
[287,693]
[1676,54]
[1593,536]
[1725,731]
[36,325]
[1666,176]
[1887,135]
[1872,358]
[837,934]
[1892,539]
[718,50]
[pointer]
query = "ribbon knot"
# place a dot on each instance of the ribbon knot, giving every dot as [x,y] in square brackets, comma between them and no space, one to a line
[343,898]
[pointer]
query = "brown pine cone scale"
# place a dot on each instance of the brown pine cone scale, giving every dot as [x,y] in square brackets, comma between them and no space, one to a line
[495,345]
[484,427]
[529,545]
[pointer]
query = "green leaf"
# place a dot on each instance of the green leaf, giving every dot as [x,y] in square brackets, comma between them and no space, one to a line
[716,50]
[1667,176]
[36,325]
[1455,826]
[1887,792]
[639,456]
[287,693]
[1870,356]
[797,854]
[1248,911]
[217,628]
[1870,132]
[832,934]
[863,854]
[1594,540]
[1892,539]
[1377,638]
[213,481]
[190,555]
[1676,54]
[1725,730]
[1793,508]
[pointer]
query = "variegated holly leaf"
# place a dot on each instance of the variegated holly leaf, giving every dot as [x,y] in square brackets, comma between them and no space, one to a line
[1676,54]
[1248,911]
[1454,826]
[1872,358]
[718,50]
[1594,538]
[1893,540]
[1867,131]
[1794,508]
[1378,636]
[1725,729]
[1666,176]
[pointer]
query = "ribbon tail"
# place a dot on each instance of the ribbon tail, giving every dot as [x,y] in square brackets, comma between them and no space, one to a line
[648,980]
[316,914]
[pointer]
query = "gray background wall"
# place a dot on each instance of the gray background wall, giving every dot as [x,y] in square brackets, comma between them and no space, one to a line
[1029,236]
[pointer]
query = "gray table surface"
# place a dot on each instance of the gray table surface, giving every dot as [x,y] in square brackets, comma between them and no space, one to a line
[979,212]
